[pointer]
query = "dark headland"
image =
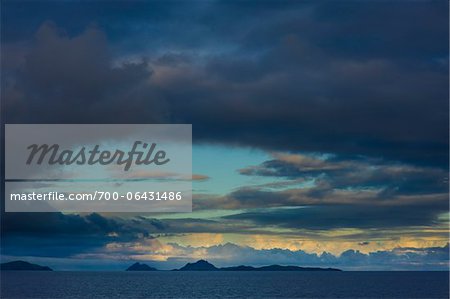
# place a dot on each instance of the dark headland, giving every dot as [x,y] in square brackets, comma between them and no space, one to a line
[23,266]
[203,265]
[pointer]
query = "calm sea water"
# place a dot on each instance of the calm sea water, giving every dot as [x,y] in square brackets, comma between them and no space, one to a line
[224,285]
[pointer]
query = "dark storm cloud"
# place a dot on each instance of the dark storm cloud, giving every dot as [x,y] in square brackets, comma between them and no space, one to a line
[304,89]
[389,36]
[62,235]
[326,77]
[322,217]
[56,223]
[22,19]
[71,80]
[338,192]
[53,234]
[333,173]
[322,210]
[370,107]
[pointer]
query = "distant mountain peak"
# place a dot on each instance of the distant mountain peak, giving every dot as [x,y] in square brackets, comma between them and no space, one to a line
[200,265]
[140,267]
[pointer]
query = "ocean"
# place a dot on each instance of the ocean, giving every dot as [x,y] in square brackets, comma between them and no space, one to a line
[166,284]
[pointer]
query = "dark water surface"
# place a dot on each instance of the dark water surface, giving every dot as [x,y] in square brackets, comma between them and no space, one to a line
[164,284]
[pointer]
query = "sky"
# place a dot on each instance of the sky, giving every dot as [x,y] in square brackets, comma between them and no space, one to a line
[320,128]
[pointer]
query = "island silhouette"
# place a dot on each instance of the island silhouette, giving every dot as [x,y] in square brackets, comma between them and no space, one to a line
[203,265]
[140,267]
[200,265]
[23,266]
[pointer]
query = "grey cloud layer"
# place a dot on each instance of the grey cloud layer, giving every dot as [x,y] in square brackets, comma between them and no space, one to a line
[389,179]
[341,193]
[305,79]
